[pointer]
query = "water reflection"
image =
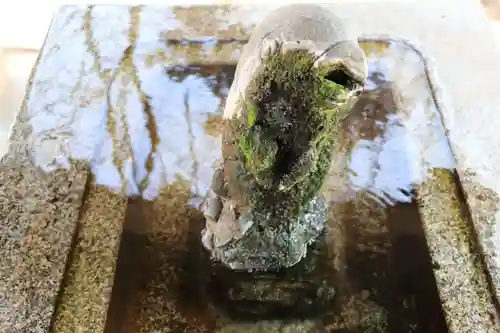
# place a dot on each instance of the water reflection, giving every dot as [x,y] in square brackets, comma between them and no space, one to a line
[141,122]
[222,21]
[125,126]
[146,114]
[393,138]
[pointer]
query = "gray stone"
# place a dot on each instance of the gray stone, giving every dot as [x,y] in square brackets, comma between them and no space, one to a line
[39,210]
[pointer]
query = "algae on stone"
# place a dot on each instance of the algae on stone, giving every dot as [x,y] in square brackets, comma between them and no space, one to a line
[288,127]
[280,121]
[277,154]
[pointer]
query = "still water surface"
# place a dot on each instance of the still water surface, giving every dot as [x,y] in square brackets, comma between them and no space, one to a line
[146,115]
[391,141]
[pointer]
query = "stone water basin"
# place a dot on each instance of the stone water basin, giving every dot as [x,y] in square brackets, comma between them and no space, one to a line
[398,147]
[399,185]
[400,168]
[132,126]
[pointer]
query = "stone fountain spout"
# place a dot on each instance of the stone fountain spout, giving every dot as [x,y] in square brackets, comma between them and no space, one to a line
[294,84]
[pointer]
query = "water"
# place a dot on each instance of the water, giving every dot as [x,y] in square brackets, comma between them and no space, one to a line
[149,131]
[374,256]
[145,117]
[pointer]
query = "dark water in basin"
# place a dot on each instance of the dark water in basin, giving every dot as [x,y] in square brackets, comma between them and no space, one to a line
[392,139]
[144,114]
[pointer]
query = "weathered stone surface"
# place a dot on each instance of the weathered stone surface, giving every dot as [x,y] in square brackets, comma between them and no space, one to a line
[42,185]
[375,225]
[277,142]
[472,137]
[38,214]
[38,219]
[98,40]
[457,259]
[85,294]
[161,274]
[471,105]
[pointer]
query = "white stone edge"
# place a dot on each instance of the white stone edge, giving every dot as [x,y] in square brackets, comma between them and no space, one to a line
[445,109]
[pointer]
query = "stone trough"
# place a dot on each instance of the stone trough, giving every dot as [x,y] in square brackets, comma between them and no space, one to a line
[114,148]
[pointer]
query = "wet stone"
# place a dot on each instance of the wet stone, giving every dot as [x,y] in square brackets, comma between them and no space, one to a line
[86,290]
[164,277]
[458,266]
[307,289]
[38,218]
[39,214]
[44,181]
[281,120]
[145,83]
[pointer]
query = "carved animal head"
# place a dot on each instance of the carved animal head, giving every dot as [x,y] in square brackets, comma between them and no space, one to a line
[290,116]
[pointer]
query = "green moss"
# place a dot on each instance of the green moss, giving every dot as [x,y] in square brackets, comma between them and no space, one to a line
[258,157]
[290,121]
[252,115]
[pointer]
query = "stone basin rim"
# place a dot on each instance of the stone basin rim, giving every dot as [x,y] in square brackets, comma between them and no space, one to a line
[444,106]
[438,96]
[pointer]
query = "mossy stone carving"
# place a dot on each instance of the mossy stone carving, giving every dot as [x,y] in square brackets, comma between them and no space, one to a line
[281,121]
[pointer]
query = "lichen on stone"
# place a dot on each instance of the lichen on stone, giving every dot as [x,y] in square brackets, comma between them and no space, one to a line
[277,153]
[287,129]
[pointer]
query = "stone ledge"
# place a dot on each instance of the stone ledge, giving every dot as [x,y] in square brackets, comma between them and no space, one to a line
[452,45]
[39,214]
[86,291]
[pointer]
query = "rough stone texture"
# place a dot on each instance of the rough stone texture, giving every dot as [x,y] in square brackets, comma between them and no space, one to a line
[162,272]
[160,275]
[38,214]
[258,238]
[86,291]
[469,106]
[440,199]
[107,79]
[454,245]
[39,217]
[161,284]
[42,187]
